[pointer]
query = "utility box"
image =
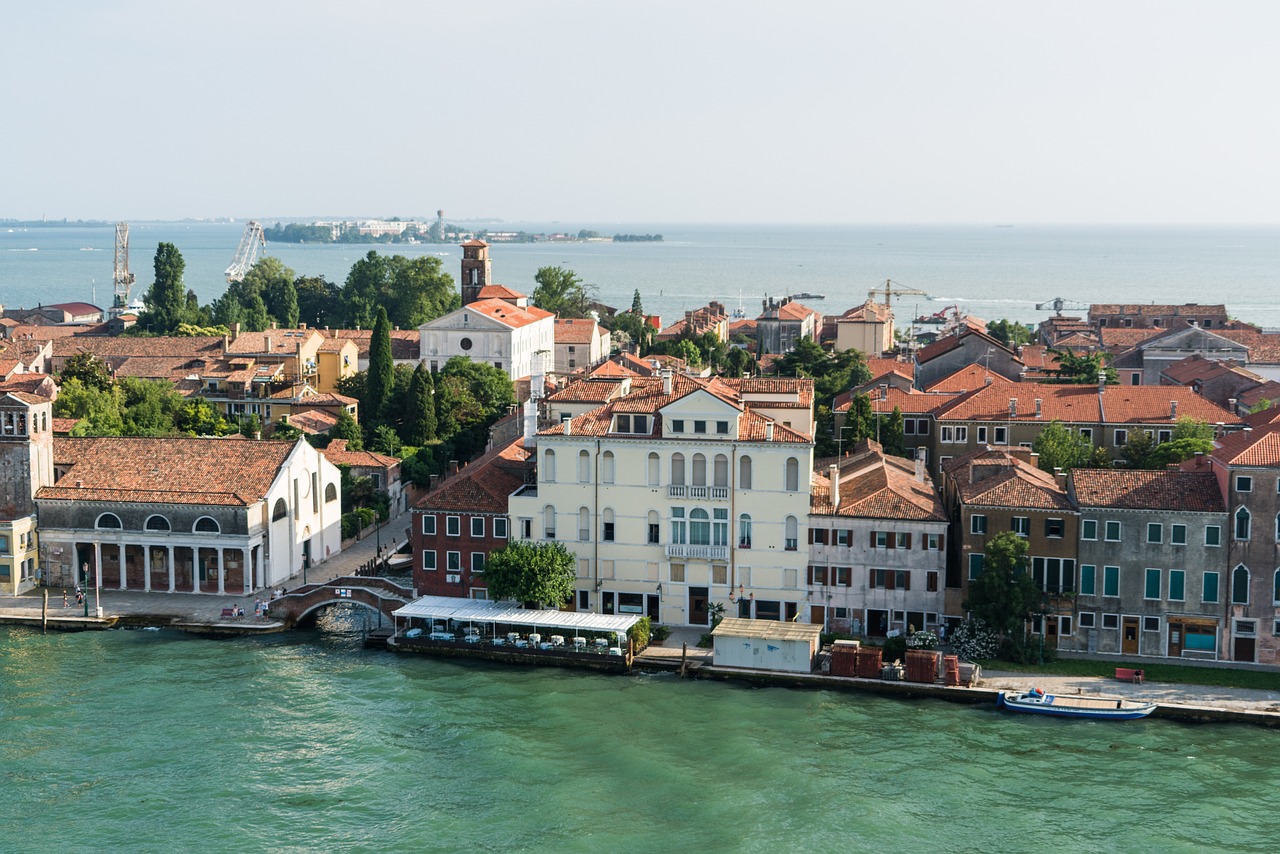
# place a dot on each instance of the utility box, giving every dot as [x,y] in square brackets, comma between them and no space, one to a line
[766,645]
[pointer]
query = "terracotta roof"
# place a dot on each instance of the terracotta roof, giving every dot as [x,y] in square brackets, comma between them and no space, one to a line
[276,342]
[337,453]
[1270,390]
[134,469]
[610,368]
[878,487]
[1153,310]
[1258,447]
[35,384]
[968,378]
[405,343]
[1127,404]
[1119,338]
[798,389]
[743,325]
[313,421]
[1197,367]
[910,402]
[1129,489]
[879,367]
[484,485]
[126,345]
[1264,347]
[1077,341]
[499,292]
[869,311]
[47,332]
[1080,404]
[575,330]
[474,243]
[791,311]
[506,313]
[592,390]
[76,307]
[151,367]
[994,478]
[63,426]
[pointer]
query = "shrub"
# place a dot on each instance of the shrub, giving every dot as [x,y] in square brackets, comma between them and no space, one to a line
[640,633]
[895,648]
[704,642]
[923,640]
[973,640]
[658,634]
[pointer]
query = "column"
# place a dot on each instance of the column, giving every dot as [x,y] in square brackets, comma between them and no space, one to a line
[97,566]
[246,573]
[173,581]
[123,575]
[222,575]
[195,569]
[146,567]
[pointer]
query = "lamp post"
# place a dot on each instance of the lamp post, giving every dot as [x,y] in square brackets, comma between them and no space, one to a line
[84,591]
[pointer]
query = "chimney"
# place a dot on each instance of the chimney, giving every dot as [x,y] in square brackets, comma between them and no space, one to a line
[835,485]
[1102,382]
[1173,410]
[568,426]
[986,380]
[1231,404]
[1039,407]
[453,467]
[273,324]
[302,326]
[1013,407]
[235,331]
[79,484]
[884,391]
[530,424]
[667,381]
[920,452]
[268,340]
[768,431]
[433,481]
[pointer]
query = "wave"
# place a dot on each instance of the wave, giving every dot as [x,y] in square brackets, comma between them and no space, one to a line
[30,249]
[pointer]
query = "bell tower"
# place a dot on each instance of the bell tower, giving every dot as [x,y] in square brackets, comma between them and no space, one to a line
[476,269]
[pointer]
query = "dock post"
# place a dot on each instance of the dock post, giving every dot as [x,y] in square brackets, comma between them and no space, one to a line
[44,613]
[684,656]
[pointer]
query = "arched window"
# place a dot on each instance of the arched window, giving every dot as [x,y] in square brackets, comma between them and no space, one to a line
[1278,527]
[677,469]
[156,523]
[1242,523]
[792,536]
[330,493]
[209,525]
[720,474]
[584,467]
[607,466]
[792,482]
[744,531]
[606,527]
[1240,586]
[584,524]
[699,528]
[109,520]
[549,466]
[744,473]
[699,470]
[654,466]
[549,522]
[1275,588]
[279,511]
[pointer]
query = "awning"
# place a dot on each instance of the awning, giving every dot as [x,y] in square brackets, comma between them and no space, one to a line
[486,611]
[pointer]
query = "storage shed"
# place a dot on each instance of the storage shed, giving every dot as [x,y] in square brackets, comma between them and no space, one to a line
[767,645]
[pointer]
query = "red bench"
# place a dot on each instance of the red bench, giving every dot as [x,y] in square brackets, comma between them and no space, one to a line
[1128,674]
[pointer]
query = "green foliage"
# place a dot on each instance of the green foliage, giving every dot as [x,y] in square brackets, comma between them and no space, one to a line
[355,521]
[1188,438]
[379,379]
[91,371]
[531,572]
[284,430]
[832,373]
[1060,447]
[1139,451]
[386,441]
[659,633]
[249,426]
[1082,369]
[891,434]
[98,409]
[640,634]
[132,407]
[974,640]
[319,302]
[1178,450]
[191,330]
[419,426]
[859,423]
[637,308]
[418,466]
[633,325]
[895,649]
[1009,333]
[198,417]
[347,428]
[1190,428]
[470,397]
[739,362]
[562,293]
[167,298]
[412,290]
[1005,596]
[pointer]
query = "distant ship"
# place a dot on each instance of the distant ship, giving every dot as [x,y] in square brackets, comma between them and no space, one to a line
[807,295]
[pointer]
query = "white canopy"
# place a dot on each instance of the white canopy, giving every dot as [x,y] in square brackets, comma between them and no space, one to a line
[486,611]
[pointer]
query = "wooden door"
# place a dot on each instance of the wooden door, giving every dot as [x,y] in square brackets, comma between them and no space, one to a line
[1175,640]
[698,606]
[818,615]
[1129,636]
[1243,648]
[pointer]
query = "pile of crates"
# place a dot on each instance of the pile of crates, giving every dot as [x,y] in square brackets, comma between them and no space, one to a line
[868,663]
[951,667]
[844,658]
[922,665]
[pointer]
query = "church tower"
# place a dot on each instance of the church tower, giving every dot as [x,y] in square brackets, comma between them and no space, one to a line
[476,270]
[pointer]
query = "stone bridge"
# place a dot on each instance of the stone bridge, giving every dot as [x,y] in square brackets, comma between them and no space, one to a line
[377,594]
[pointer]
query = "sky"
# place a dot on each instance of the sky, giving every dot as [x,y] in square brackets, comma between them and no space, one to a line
[653,112]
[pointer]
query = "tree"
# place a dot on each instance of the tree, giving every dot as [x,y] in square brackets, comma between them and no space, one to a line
[832,373]
[637,307]
[531,573]
[1138,452]
[1060,448]
[1190,428]
[411,290]
[561,292]
[271,280]
[380,372]
[149,407]
[199,417]
[91,371]
[1082,369]
[892,436]
[166,300]
[418,467]
[420,410]
[347,428]
[319,302]
[1009,333]
[386,441]
[470,396]
[98,410]
[1005,596]
[738,362]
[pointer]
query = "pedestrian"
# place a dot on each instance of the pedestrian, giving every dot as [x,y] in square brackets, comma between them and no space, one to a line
[257,608]
[79,596]
[64,597]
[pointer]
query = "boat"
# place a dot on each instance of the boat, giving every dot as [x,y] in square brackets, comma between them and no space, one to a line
[1037,702]
[807,295]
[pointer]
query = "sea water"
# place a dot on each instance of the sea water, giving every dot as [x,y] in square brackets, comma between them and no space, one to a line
[159,741]
[992,272]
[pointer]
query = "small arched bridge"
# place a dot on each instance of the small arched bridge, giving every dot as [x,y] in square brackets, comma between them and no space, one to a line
[377,594]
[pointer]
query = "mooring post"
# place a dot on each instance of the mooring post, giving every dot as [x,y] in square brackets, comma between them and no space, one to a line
[44,613]
[684,656]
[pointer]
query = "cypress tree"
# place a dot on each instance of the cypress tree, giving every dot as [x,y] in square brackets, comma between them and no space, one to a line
[167,299]
[380,379]
[421,422]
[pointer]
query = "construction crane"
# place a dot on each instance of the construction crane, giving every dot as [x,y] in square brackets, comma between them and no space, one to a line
[247,252]
[122,278]
[893,289]
[1059,303]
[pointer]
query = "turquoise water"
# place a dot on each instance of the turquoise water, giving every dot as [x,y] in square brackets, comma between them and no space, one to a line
[157,741]
[992,272]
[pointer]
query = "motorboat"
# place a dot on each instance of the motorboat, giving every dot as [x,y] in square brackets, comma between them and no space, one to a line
[1038,702]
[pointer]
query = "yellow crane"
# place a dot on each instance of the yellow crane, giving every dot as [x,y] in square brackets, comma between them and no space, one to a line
[894,289]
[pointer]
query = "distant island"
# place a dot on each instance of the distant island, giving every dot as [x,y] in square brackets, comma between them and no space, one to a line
[637,238]
[419,231]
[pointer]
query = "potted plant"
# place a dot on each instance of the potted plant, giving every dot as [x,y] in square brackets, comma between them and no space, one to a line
[658,634]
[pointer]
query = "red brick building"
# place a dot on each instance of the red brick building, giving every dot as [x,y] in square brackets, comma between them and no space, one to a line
[459,523]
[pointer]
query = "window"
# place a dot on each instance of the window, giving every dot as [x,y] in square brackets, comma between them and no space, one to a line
[453,526]
[477,526]
[549,466]
[606,467]
[744,473]
[699,426]
[526,529]
[1177,585]
[1021,525]
[676,573]
[584,467]
[1155,532]
[1088,529]
[722,427]
[1113,532]
[792,537]
[1111,621]
[428,524]
[720,471]
[1243,519]
[653,467]
[931,581]
[584,600]
[1121,438]
[909,427]
[1245,628]
[477,562]
[977,524]
[279,511]
[584,524]
[1178,535]
[1087,586]
[933,542]
[156,523]
[1054,528]
[792,481]
[1152,588]
[1088,619]
[677,469]
[500,528]
[699,527]
[922,426]
[981,435]
[640,424]
[1111,581]
[1086,433]
[207,525]
[1240,585]
[109,520]
[1164,435]
[1244,483]
[330,493]
[1054,575]
[1001,435]
[677,425]
[1151,624]
[720,526]
[429,560]
[453,561]
[623,423]
[654,528]
[1064,625]
[1209,587]
[818,575]
[975,565]
[953,434]
[606,532]
[720,573]
[699,470]
[679,527]
[843,576]
[889,579]
[744,531]
[549,521]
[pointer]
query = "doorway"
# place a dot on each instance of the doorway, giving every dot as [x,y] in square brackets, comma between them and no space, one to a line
[1243,648]
[698,606]
[1129,636]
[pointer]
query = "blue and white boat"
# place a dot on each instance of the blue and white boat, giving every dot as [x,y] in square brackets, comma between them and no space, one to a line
[1037,702]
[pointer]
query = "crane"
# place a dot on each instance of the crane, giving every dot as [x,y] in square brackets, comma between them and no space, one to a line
[1059,303]
[247,252]
[893,289]
[122,278]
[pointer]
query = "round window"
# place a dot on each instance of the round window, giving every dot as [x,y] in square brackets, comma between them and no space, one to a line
[465,343]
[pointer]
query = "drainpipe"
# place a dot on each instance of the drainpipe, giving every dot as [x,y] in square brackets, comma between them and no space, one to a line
[595,535]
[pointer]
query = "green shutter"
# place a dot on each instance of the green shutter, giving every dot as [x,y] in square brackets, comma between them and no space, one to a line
[1177,584]
[1210,587]
[1152,590]
[1087,587]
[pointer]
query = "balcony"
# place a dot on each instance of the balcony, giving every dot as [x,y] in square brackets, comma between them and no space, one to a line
[698,552]
[699,493]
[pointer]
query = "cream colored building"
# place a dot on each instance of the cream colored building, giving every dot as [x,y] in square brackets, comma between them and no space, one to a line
[867,329]
[680,496]
[492,331]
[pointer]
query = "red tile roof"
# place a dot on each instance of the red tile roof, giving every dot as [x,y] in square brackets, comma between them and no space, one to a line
[1197,367]
[878,487]
[1080,404]
[575,330]
[1130,489]
[484,485]
[339,454]
[1153,310]
[501,292]
[1258,447]
[1117,338]
[609,368]
[995,478]
[506,313]
[968,378]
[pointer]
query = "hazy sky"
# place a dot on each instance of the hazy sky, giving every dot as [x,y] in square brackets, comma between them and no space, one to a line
[648,111]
